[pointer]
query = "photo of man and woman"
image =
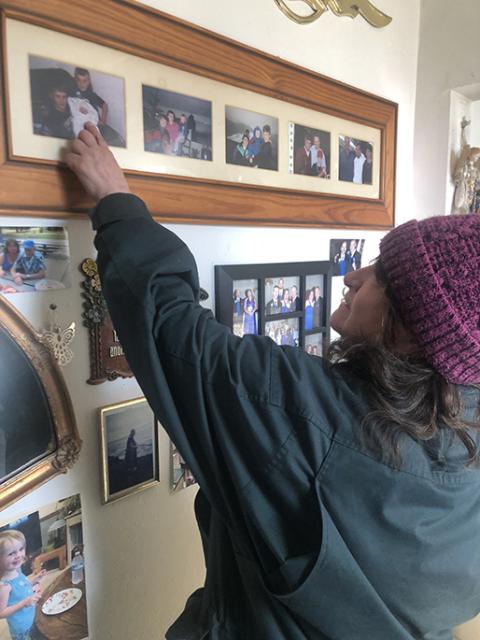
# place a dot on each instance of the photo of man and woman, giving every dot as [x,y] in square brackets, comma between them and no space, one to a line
[251,139]
[176,124]
[309,151]
[314,344]
[282,295]
[245,307]
[283,332]
[33,259]
[66,96]
[346,255]
[314,311]
[355,160]
[42,574]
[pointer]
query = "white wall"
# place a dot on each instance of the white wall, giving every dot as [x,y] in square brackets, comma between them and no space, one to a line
[449,58]
[143,552]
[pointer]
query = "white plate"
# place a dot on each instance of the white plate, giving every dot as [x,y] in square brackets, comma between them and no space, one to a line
[61,601]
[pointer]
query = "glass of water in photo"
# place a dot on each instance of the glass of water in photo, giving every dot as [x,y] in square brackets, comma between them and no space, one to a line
[314,344]
[282,295]
[245,307]
[314,302]
[283,332]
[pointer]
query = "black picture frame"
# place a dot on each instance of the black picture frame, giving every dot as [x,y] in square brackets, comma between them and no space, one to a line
[265,275]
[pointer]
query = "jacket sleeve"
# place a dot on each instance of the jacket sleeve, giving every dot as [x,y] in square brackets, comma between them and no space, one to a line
[209,389]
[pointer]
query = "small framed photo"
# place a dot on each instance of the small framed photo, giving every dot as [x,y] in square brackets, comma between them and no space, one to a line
[176,124]
[314,344]
[251,139]
[346,255]
[355,160]
[314,303]
[309,151]
[282,295]
[245,307]
[181,475]
[283,332]
[129,447]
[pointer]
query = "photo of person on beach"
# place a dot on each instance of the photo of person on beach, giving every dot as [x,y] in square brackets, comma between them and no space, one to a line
[129,448]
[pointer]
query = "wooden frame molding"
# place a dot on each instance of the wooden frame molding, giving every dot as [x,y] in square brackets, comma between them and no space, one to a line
[45,189]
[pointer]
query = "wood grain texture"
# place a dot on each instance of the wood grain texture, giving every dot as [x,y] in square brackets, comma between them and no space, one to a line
[32,187]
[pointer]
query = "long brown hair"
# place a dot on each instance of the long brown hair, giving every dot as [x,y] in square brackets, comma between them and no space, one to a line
[407,395]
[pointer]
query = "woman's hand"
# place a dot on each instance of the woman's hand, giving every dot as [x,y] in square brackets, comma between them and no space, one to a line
[93,163]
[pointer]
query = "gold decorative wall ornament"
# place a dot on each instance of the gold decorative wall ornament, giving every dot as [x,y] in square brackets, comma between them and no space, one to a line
[340,8]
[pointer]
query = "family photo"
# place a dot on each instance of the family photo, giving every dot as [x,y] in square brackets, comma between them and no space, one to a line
[309,151]
[251,139]
[66,96]
[176,124]
[283,332]
[42,574]
[129,448]
[245,307]
[346,255]
[282,295]
[34,259]
[355,160]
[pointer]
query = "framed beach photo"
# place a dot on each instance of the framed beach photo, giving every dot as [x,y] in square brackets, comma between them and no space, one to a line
[129,447]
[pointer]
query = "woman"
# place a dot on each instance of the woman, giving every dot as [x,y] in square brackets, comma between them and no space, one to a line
[341,260]
[309,310]
[237,303]
[9,256]
[338,499]
[250,309]
[241,155]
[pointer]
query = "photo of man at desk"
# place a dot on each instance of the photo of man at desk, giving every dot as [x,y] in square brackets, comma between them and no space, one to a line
[33,259]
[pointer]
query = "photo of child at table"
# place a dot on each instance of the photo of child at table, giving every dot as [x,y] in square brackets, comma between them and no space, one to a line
[30,265]
[18,594]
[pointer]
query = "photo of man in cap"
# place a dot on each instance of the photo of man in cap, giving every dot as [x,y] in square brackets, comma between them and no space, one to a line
[30,265]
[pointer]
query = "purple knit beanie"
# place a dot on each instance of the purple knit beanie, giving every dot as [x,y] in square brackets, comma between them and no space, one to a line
[433,267]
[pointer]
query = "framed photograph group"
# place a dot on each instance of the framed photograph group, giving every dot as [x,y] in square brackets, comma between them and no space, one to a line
[223,124]
[289,302]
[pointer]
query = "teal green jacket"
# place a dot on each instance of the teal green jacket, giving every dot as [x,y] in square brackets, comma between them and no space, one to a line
[307,536]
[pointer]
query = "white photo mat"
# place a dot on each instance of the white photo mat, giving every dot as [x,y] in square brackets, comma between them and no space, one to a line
[24,39]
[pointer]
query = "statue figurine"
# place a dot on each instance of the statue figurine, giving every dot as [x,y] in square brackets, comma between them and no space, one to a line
[465,177]
[466,174]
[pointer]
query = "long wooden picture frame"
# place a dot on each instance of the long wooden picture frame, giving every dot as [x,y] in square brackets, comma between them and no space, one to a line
[192,191]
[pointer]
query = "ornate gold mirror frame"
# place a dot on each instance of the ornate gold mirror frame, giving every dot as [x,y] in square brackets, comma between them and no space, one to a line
[38,432]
